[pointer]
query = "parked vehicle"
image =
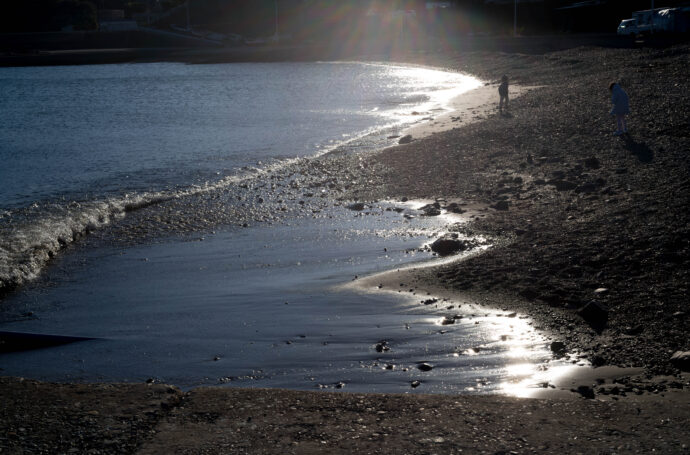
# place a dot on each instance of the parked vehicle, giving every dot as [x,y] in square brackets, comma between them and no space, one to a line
[627,27]
[660,20]
[673,20]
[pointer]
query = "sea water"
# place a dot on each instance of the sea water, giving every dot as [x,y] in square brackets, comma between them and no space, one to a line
[84,146]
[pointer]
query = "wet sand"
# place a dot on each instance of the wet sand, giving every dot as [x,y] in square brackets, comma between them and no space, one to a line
[473,106]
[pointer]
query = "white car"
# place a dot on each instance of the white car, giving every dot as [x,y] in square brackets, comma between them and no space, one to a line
[628,27]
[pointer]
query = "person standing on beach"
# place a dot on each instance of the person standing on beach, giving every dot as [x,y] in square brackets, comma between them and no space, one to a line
[621,107]
[503,93]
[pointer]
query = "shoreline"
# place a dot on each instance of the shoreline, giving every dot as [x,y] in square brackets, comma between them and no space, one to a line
[589,217]
[472,106]
[559,382]
[548,192]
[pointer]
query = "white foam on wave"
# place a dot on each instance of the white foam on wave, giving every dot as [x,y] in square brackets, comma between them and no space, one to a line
[29,241]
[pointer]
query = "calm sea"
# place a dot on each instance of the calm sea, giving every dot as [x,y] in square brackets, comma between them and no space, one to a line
[81,144]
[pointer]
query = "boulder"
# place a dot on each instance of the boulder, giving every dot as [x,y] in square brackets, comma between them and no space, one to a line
[586,391]
[405,139]
[501,205]
[564,185]
[453,207]
[586,188]
[449,245]
[592,163]
[597,361]
[558,347]
[424,367]
[681,360]
[595,314]
[356,206]
[431,209]
[382,346]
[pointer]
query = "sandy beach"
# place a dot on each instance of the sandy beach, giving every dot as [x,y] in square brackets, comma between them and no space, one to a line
[470,107]
[589,239]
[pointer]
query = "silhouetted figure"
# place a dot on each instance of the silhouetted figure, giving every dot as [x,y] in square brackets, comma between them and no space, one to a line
[621,107]
[503,93]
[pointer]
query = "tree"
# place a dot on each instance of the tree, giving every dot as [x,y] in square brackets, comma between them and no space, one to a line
[79,14]
[48,15]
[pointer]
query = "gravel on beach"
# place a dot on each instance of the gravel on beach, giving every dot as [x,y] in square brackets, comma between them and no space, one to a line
[43,418]
[581,217]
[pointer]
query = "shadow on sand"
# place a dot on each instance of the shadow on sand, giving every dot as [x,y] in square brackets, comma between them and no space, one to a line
[639,149]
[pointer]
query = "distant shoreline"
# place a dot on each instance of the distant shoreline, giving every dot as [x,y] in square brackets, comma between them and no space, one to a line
[121,51]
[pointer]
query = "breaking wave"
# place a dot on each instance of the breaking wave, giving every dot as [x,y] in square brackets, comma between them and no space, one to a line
[31,237]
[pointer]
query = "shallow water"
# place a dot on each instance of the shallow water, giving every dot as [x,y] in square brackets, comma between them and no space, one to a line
[259,307]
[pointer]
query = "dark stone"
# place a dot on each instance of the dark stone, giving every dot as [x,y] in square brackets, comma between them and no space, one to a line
[558,347]
[529,294]
[405,139]
[564,185]
[415,384]
[424,367]
[592,163]
[448,245]
[586,391]
[501,205]
[595,314]
[598,361]
[552,299]
[431,209]
[382,346]
[681,360]
[586,188]
[453,207]
[634,330]
[356,206]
